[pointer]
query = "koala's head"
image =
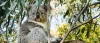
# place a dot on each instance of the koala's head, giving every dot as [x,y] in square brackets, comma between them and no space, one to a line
[40,15]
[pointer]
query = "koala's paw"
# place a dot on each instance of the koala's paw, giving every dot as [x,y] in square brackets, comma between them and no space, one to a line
[55,40]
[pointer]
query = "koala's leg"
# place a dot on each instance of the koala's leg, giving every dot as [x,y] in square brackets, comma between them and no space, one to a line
[36,35]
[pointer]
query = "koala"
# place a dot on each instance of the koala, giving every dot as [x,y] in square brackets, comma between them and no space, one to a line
[34,29]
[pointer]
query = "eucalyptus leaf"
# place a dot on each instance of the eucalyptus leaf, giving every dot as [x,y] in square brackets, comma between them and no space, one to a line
[61,1]
[12,22]
[46,1]
[1,21]
[10,30]
[2,12]
[3,4]
[38,3]
[9,19]
[79,19]
[88,33]
[23,3]
[78,32]
[83,29]
[95,25]
[72,1]
[67,12]
[69,20]
[83,16]
[98,0]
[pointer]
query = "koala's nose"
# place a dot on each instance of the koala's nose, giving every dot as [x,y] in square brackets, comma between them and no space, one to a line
[37,15]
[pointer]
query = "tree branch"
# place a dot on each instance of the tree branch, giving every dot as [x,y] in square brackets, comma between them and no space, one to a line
[82,24]
[48,27]
[76,21]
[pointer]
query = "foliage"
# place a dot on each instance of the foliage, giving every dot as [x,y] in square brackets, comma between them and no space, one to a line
[88,32]
[14,11]
[11,12]
[81,33]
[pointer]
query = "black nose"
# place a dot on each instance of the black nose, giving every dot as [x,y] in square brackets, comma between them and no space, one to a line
[37,15]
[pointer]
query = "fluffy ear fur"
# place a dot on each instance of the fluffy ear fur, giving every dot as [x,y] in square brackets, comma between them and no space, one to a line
[29,7]
[46,7]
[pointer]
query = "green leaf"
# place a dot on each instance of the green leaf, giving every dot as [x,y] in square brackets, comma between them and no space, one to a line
[95,41]
[87,34]
[61,1]
[78,32]
[95,25]
[23,15]
[2,4]
[83,29]
[98,0]
[0,34]
[12,22]
[99,38]
[23,2]
[9,19]
[46,1]
[38,3]
[1,20]
[72,1]
[79,19]
[67,12]
[2,12]
[83,16]
[69,21]
[10,30]
[96,33]
[88,11]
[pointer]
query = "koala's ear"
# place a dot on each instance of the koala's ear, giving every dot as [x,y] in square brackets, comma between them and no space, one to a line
[28,6]
[46,7]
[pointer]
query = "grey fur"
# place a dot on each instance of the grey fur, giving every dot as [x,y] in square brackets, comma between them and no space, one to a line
[32,31]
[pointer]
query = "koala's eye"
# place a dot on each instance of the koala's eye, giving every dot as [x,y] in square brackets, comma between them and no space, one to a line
[41,12]
[33,13]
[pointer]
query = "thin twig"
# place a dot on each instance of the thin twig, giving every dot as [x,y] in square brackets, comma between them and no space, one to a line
[76,21]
